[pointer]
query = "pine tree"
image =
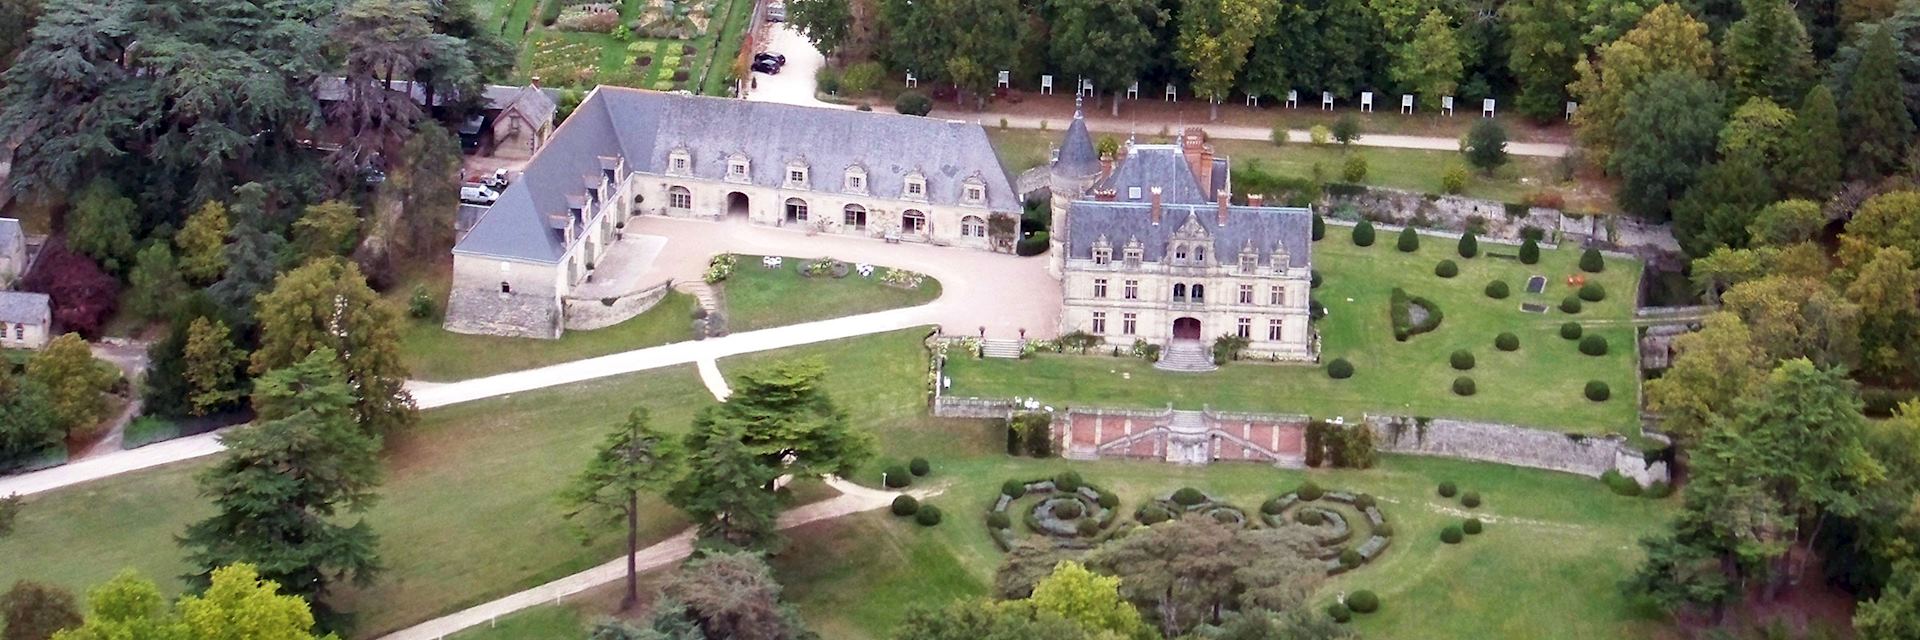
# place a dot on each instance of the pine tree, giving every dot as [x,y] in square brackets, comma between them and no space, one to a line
[633,459]
[1811,159]
[1878,127]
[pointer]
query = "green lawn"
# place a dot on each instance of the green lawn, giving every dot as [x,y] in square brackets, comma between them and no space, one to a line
[1539,385]
[436,354]
[757,297]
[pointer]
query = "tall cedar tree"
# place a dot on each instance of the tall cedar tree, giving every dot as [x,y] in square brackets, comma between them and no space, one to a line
[1666,39]
[326,304]
[1543,43]
[634,459]
[790,423]
[1187,571]
[1811,158]
[1110,42]
[725,490]
[1667,134]
[1716,211]
[1768,54]
[288,483]
[1215,37]
[1878,126]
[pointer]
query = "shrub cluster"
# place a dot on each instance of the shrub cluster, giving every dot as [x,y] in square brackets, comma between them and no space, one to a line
[1152,513]
[1592,292]
[919,466]
[1339,612]
[1068,509]
[1446,269]
[1463,385]
[1497,290]
[1448,488]
[1592,262]
[1598,391]
[1452,534]
[1506,341]
[928,516]
[1472,526]
[1593,345]
[1188,496]
[1363,234]
[1461,359]
[906,506]
[898,477]
[1571,330]
[1570,304]
[1470,499]
[1658,490]
[1363,601]
[1339,369]
[1309,491]
[1409,241]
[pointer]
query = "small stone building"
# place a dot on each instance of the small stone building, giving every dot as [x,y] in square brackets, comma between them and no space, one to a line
[26,320]
[524,120]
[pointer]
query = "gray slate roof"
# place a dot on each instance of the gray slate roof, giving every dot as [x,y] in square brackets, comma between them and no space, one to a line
[1164,166]
[1077,155]
[645,127]
[1265,227]
[23,307]
[531,100]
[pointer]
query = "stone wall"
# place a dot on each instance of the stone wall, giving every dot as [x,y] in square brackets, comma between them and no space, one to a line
[586,314]
[516,315]
[1518,446]
[951,407]
[1397,206]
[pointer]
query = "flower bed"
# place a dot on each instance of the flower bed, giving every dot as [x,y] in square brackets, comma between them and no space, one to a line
[902,278]
[721,267]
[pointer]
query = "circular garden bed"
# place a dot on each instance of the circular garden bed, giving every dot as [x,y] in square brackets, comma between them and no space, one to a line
[1350,528]
[1064,508]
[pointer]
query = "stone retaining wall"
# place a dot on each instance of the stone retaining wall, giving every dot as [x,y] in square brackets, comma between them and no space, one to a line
[950,407]
[1519,446]
[587,314]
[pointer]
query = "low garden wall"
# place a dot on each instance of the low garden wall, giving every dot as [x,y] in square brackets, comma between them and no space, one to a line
[587,314]
[1514,445]
[1487,243]
[951,407]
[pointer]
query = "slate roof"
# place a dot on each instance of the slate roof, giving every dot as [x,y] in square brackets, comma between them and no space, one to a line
[1077,155]
[27,308]
[645,127]
[1265,227]
[530,100]
[1161,165]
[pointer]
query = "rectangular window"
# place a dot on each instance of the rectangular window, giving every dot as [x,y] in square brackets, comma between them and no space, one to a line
[1102,256]
[1273,329]
[1248,264]
[1133,290]
[797,177]
[1244,328]
[1099,287]
[1099,323]
[1133,256]
[737,170]
[1180,254]
[1246,294]
[914,187]
[680,200]
[1128,321]
[1277,295]
[680,165]
[975,194]
[855,183]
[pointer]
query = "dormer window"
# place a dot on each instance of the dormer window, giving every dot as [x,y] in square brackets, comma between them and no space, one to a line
[916,186]
[976,191]
[1102,251]
[680,162]
[856,181]
[1249,262]
[796,175]
[1133,253]
[737,168]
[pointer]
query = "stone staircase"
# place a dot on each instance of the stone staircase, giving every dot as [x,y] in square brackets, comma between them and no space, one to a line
[702,293]
[1186,355]
[1009,349]
[1188,422]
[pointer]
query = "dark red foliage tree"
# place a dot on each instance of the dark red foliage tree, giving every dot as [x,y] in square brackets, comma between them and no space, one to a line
[83,296]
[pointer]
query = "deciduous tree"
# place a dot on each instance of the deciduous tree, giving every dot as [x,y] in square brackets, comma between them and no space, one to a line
[1786,222]
[1716,212]
[1887,290]
[1759,131]
[1431,63]
[1666,39]
[1215,37]
[75,383]
[202,242]
[988,620]
[154,284]
[1794,317]
[82,295]
[326,229]
[326,304]
[1186,572]
[1110,42]
[34,611]
[1713,367]
[213,365]
[1768,54]
[1543,43]
[825,23]
[1089,600]
[1667,135]
[101,225]
[634,459]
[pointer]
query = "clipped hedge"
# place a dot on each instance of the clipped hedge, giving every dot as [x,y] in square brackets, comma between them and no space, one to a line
[1506,341]
[1067,481]
[1339,612]
[1409,241]
[1188,496]
[1570,305]
[919,466]
[1400,311]
[1350,558]
[1620,484]
[1469,246]
[1593,345]
[1363,234]
[1319,227]
[998,520]
[898,477]
[1446,269]
[1598,391]
[1309,491]
[1461,359]
[1363,601]
[1529,252]
[1463,386]
[1472,526]
[1470,499]
[1313,279]
[1592,292]
[928,516]
[1068,509]
[1339,369]
[1497,290]
[905,506]
[1592,262]
[1571,331]
[1452,534]
[1448,489]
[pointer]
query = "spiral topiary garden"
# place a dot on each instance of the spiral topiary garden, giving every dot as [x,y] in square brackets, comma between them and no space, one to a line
[1064,507]
[1349,528]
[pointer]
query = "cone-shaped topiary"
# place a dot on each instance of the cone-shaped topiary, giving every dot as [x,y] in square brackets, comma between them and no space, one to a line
[1469,245]
[1497,290]
[1472,526]
[1591,262]
[1363,234]
[905,506]
[1593,345]
[1363,601]
[1463,385]
[1529,252]
[919,467]
[1339,369]
[1319,227]
[1571,331]
[928,516]
[1461,359]
[1598,391]
[1409,240]
[1446,269]
[1570,304]
[1593,292]
[1506,341]
[1452,534]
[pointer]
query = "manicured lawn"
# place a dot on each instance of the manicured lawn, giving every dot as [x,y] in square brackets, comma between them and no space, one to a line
[757,297]
[436,354]
[1539,385]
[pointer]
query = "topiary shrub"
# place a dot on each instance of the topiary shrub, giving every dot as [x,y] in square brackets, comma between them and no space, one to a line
[1339,612]
[1068,509]
[1472,526]
[1313,279]
[1152,513]
[1107,500]
[898,477]
[1571,331]
[1461,359]
[1339,369]
[1470,499]
[928,516]
[1452,534]
[1067,481]
[1446,269]
[1087,528]
[1592,262]
[1529,251]
[1592,292]
[1506,341]
[1309,491]
[913,103]
[1013,488]
[1598,391]
[1272,507]
[1409,241]
[1497,290]
[1469,246]
[1319,227]
[906,506]
[919,466]
[1570,304]
[1448,488]
[1350,559]
[1310,517]
[1188,496]
[1593,345]
[1363,234]
[1363,501]
[1363,601]
[1385,530]
[1463,386]
[999,520]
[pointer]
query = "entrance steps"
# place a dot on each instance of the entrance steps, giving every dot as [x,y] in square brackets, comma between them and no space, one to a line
[1186,355]
[1009,349]
[702,293]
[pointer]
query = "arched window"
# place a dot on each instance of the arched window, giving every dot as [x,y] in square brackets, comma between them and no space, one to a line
[1199,293]
[855,216]
[796,210]
[1179,292]
[973,227]
[913,221]
[679,198]
[1200,255]
[1179,253]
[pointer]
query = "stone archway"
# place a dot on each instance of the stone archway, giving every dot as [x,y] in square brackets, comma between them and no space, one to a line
[1186,329]
[737,205]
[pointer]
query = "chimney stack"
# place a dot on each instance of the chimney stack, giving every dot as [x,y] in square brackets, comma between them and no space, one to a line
[1225,198]
[1199,155]
[1106,165]
[1156,205]
[1256,200]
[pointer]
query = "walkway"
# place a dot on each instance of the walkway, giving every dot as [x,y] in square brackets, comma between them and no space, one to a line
[1241,132]
[796,81]
[853,498]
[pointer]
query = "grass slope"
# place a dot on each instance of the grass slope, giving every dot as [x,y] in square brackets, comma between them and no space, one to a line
[757,297]
[435,354]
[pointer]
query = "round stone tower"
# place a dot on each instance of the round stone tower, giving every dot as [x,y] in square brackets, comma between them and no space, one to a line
[1076,165]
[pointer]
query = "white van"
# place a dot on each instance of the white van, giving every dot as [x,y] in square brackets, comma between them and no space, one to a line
[476,193]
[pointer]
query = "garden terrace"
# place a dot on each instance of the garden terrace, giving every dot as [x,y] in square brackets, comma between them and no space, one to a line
[1539,385]
[757,296]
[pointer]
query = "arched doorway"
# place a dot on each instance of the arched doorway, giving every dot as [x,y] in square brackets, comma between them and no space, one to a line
[796,210]
[737,205]
[1186,329]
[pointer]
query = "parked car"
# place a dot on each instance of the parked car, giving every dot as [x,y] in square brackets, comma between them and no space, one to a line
[778,60]
[777,12]
[476,193]
[766,67]
[498,181]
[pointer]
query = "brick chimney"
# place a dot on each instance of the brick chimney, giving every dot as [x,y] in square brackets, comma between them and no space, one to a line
[1199,155]
[1256,200]
[1224,198]
[1155,211]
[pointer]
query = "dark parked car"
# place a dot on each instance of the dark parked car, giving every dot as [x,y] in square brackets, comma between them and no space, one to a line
[777,59]
[766,66]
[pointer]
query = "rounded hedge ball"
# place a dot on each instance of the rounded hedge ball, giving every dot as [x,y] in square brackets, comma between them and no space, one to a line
[1339,369]
[999,520]
[1087,527]
[1593,292]
[1107,500]
[1472,526]
[1497,289]
[928,516]
[1570,304]
[898,478]
[1385,530]
[1314,283]
[1272,507]
[1013,488]
[1593,345]
[1470,499]
[1446,269]
[1452,534]
[1350,559]
[1309,517]
[1598,391]
[1188,496]
[919,466]
[1363,601]
[1592,262]
[1067,509]
[1571,331]
[905,506]
[1506,341]
[1309,491]
[1448,489]
[1463,385]
[1339,612]
[1461,359]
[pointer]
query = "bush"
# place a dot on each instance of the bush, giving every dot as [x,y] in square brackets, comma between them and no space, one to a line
[1339,369]
[1454,180]
[1448,488]
[1620,484]
[1461,359]
[1319,227]
[898,477]
[1013,488]
[1463,386]
[999,520]
[1593,292]
[1152,513]
[928,516]
[861,78]
[1363,501]
[1529,252]
[1350,559]
[1469,245]
[1363,234]
[1363,601]
[1272,507]
[1309,517]
[1313,279]
[1506,341]
[1034,244]
[1497,290]
[1188,496]
[1319,134]
[1339,612]
[1409,241]
[827,80]
[1346,129]
[1452,534]
[1067,481]
[1470,499]
[1592,262]
[1446,269]
[1309,491]
[1658,490]
[1472,526]
[1087,528]
[1107,500]
[913,103]
[1570,304]
[1597,391]
[420,304]
[1571,330]
[907,505]
[1593,345]
[1068,509]
[919,467]
[1385,530]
